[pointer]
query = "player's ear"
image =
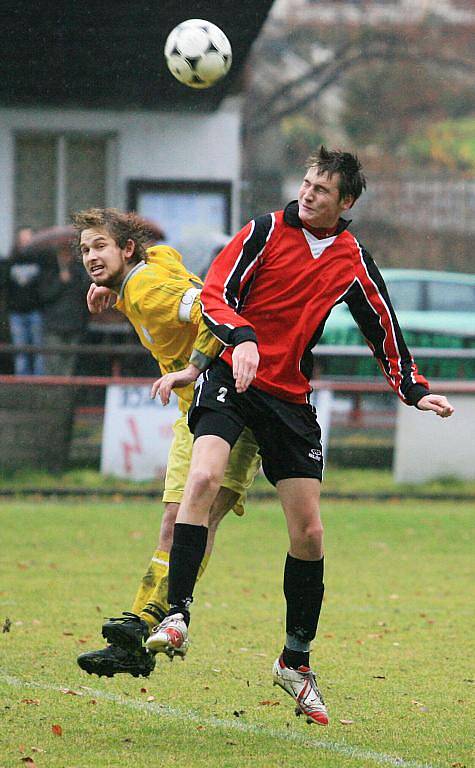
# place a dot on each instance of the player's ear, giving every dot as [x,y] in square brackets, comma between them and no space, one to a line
[347,202]
[129,248]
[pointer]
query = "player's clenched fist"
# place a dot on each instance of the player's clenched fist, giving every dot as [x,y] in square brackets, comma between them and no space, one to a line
[437,403]
[98,298]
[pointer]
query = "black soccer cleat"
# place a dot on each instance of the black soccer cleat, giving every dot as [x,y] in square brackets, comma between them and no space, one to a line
[128,631]
[112,660]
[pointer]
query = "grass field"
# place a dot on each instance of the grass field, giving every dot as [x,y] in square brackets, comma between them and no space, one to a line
[393,654]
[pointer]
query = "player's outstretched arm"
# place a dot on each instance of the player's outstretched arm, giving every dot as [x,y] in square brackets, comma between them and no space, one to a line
[164,385]
[437,403]
[245,363]
[98,298]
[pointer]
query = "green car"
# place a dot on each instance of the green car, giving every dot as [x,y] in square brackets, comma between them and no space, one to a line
[434,309]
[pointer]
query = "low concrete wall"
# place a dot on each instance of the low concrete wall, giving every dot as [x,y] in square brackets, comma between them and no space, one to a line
[35,427]
[428,447]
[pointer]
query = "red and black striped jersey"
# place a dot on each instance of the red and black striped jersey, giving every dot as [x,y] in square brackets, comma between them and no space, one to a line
[276,283]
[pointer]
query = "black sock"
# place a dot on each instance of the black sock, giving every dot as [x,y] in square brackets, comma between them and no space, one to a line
[303,589]
[295,659]
[186,554]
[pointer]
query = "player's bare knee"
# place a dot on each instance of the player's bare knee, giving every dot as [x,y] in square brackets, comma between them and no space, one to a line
[203,482]
[308,541]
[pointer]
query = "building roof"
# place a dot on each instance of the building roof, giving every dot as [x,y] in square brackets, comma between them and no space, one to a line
[109,53]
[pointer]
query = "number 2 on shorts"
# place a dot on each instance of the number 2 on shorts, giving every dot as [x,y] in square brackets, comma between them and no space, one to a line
[221,396]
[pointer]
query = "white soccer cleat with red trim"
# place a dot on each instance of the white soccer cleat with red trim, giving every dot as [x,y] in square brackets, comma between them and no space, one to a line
[302,686]
[170,637]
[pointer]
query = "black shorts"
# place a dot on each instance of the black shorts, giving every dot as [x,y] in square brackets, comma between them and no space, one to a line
[288,434]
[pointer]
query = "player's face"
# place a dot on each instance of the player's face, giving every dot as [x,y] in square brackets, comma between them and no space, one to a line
[105,263]
[319,199]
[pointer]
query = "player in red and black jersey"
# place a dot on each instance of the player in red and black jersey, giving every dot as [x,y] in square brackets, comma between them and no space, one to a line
[266,298]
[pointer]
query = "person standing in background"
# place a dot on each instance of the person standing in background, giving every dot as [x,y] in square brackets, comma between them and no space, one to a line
[64,287]
[24,303]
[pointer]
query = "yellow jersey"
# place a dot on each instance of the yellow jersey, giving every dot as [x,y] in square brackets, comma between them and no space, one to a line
[161,299]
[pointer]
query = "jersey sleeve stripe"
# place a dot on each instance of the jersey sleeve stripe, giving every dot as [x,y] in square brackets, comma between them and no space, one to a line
[253,245]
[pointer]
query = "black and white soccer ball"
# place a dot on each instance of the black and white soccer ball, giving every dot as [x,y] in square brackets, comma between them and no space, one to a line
[198,53]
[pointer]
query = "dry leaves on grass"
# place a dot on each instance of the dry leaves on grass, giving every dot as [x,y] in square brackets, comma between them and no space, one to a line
[28,761]
[71,692]
[6,625]
[347,722]
[36,702]
[57,730]
[269,703]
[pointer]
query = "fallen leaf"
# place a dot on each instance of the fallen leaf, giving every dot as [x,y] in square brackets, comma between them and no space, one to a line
[98,609]
[93,701]
[347,722]
[68,634]
[457,765]
[269,703]
[28,761]
[379,677]
[37,749]
[150,698]
[57,730]
[30,701]
[21,747]
[6,625]
[144,690]
[231,743]
[71,692]
[200,727]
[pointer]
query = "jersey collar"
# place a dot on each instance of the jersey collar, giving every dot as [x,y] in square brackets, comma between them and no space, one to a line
[291,217]
[138,268]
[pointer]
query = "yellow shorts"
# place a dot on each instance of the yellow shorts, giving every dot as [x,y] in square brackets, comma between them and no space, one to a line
[243,465]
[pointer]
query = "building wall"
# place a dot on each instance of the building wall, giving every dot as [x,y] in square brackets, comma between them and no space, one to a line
[142,145]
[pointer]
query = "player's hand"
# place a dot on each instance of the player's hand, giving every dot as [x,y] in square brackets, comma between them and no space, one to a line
[245,363]
[98,298]
[437,403]
[164,385]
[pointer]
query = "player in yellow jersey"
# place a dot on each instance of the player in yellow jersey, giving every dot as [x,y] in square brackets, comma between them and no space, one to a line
[160,297]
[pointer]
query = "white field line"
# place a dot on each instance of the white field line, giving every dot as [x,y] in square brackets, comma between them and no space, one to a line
[182,715]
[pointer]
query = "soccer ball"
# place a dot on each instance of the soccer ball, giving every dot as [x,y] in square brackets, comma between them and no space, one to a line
[198,53]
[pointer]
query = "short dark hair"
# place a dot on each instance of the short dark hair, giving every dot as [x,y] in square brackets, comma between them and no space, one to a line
[352,180]
[120,226]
